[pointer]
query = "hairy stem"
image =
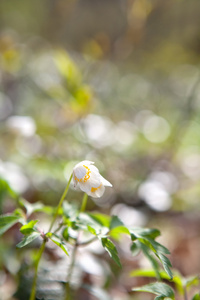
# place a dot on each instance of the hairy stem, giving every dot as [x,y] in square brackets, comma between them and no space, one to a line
[41,250]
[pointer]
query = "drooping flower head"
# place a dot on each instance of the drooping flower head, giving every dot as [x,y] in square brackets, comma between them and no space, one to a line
[87,177]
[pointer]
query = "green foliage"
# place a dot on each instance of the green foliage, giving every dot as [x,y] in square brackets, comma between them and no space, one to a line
[56,240]
[5,188]
[103,220]
[29,228]
[28,239]
[111,249]
[196,297]
[162,290]
[147,244]
[35,207]
[7,221]
[101,227]
[181,283]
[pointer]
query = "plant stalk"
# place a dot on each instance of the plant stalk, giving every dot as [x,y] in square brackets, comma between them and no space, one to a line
[33,291]
[68,290]
[84,203]
[41,250]
[60,203]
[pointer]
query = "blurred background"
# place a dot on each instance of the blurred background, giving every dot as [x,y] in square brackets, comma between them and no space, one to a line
[112,81]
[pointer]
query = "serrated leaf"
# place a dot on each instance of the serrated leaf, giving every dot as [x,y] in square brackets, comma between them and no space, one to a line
[160,289]
[56,240]
[163,275]
[145,232]
[28,239]
[28,228]
[153,261]
[153,245]
[166,264]
[7,221]
[111,249]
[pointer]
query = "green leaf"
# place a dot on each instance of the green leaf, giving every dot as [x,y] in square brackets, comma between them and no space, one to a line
[163,275]
[116,232]
[29,228]
[68,69]
[111,249]
[56,240]
[160,289]
[145,232]
[5,188]
[34,207]
[192,281]
[149,273]
[92,230]
[85,220]
[28,239]
[115,222]
[101,219]
[154,263]
[7,221]
[153,245]
[147,244]
[196,297]
[70,211]
[166,264]
[135,248]
[65,233]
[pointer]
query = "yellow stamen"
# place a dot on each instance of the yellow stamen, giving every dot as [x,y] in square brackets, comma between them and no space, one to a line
[95,189]
[86,177]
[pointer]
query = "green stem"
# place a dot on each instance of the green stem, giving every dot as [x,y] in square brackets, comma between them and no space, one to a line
[33,291]
[68,287]
[84,203]
[60,203]
[41,250]
[185,294]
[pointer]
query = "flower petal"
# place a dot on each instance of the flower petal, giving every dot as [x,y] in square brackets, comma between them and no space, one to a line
[97,192]
[105,182]
[93,182]
[79,171]
[86,162]
[94,169]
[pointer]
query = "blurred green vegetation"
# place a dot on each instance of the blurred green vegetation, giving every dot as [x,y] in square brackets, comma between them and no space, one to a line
[115,82]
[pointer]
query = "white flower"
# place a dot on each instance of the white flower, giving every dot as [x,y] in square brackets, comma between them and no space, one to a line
[88,179]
